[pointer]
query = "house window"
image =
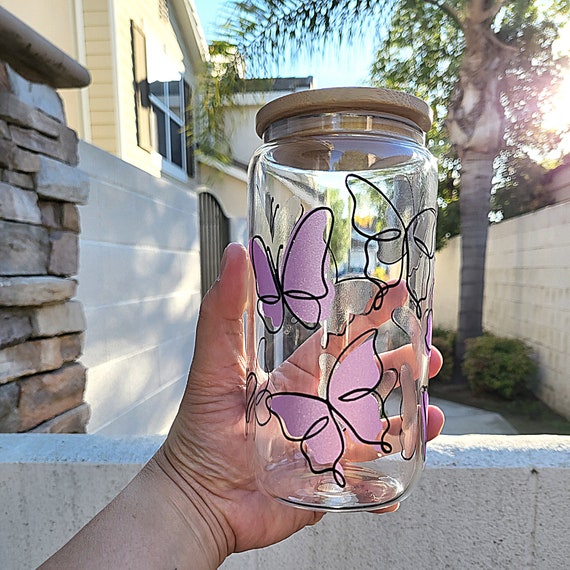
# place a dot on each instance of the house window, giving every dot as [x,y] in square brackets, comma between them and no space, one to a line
[162,101]
[168,104]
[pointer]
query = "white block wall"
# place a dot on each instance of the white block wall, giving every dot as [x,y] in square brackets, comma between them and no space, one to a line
[527,292]
[447,280]
[139,282]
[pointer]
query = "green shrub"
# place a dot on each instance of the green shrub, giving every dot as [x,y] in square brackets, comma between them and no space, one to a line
[502,366]
[444,341]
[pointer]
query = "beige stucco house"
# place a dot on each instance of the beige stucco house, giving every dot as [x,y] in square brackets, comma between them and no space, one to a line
[158,217]
[139,261]
[143,56]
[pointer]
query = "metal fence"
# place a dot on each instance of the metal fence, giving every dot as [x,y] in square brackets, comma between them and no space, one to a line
[214,236]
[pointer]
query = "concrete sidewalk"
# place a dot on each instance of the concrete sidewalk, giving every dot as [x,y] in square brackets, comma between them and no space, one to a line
[460,419]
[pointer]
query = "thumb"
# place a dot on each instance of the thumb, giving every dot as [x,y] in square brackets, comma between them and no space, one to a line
[219,333]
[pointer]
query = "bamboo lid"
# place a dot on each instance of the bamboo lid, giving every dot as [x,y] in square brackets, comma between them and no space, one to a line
[338,99]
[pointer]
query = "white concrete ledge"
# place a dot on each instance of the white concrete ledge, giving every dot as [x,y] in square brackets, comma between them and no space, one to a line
[500,452]
[70,449]
[482,502]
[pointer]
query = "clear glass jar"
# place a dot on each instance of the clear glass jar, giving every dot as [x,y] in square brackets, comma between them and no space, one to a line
[342,218]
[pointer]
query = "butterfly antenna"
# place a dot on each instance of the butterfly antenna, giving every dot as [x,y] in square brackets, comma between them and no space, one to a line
[280,250]
[271,212]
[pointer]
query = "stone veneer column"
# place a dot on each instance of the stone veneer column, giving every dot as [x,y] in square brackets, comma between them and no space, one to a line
[41,380]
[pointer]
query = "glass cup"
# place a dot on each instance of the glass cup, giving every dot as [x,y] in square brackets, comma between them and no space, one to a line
[342,220]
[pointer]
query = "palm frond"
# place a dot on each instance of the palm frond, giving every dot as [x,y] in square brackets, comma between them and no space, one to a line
[279,30]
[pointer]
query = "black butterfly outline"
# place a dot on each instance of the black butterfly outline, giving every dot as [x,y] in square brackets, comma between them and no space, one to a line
[341,423]
[409,239]
[253,393]
[254,397]
[277,268]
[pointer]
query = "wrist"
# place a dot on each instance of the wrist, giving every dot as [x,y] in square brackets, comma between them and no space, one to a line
[195,512]
[155,522]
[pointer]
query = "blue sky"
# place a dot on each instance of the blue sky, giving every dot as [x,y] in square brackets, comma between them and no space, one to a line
[332,69]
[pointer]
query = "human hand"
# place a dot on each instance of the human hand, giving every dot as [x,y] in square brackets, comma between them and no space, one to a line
[205,454]
[197,500]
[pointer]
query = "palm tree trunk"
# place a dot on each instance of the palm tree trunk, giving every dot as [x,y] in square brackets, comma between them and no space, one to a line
[476,175]
[475,124]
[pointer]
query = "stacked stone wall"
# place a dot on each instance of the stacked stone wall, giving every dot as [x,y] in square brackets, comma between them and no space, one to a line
[41,325]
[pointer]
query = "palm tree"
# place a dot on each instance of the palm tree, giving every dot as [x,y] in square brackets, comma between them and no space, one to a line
[494,41]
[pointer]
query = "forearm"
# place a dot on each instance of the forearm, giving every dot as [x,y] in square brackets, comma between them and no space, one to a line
[151,524]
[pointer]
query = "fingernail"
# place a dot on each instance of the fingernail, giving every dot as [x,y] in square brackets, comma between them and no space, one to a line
[224,261]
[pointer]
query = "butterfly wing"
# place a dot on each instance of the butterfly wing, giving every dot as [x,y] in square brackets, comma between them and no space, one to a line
[376,218]
[351,390]
[353,296]
[421,250]
[306,289]
[422,231]
[269,297]
[308,420]
[410,412]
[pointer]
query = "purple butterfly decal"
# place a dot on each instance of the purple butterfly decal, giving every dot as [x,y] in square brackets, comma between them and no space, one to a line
[412,243]
[351,404]
[297,279]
